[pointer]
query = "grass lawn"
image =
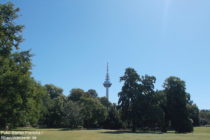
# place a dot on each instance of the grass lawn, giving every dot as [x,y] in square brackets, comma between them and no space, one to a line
[200,133]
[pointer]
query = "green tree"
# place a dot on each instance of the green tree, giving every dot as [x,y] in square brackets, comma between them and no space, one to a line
[76,94]
[46,105]
[162,101]
[193,114]
[104,101]
[72,117]
[128,97]
[193,111]
[19,95]
[55,116]
[92,93]
[148,107]
[113,120]
[53,91]
[177,104]
[139,104]
[148,104]
[20,99]
[93,112]
[204,117]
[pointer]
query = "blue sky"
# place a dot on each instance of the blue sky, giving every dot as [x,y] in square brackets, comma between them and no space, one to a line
[74,39]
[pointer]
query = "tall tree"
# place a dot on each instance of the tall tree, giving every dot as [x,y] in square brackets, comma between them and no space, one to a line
[128,97]
[177,104]
[19,97]
[139,104]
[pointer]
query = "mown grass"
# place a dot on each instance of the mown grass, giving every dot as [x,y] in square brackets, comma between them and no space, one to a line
[200,133]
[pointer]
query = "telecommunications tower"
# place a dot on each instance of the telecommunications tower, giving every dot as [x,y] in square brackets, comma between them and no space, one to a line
[107,84]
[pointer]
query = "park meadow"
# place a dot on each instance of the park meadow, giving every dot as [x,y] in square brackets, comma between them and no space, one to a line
[201,133]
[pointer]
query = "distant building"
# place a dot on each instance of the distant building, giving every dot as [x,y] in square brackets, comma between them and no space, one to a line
[107,84]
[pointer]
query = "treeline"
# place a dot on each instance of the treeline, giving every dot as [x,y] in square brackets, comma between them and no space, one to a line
[25,102]
[79,109]
[204,117]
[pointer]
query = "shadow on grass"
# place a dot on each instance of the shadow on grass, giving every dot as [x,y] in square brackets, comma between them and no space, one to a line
[130,132]
[67,129]
[71,129]
[108,131]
